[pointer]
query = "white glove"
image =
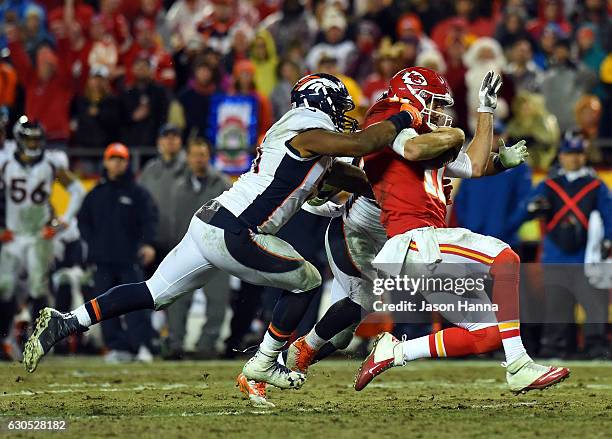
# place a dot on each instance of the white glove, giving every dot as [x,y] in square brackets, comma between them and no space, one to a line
[514,155]
[487,95]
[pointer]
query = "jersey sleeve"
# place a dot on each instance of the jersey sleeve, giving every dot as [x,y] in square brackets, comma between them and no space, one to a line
[461,167]
[58,159]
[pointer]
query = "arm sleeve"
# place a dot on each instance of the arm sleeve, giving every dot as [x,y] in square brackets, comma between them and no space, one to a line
[461,167]
[604,205]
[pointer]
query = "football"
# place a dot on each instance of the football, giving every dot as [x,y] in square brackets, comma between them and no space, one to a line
[442,160]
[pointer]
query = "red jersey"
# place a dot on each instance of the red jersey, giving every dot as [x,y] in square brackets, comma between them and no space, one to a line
[409,195]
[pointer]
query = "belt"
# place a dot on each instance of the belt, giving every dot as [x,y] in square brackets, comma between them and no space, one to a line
[215,214]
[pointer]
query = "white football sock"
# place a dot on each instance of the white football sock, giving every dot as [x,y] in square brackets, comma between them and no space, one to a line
[416,348]
[313,340]
[513,348]
[82,316]
[271,346]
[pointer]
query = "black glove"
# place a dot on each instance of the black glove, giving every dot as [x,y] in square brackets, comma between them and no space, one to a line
[606,249]
[539,206]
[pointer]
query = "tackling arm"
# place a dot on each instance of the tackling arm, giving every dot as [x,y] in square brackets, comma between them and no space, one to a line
[349,178]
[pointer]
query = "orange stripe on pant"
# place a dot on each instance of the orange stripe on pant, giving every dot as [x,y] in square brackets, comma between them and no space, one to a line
[96,308]
[277,333]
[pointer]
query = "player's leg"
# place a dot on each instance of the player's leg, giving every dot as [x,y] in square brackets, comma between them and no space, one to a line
[182,270]
[9,266]
[351,296]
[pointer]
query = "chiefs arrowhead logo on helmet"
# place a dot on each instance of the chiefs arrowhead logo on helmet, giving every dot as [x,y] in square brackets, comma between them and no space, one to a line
[414,78]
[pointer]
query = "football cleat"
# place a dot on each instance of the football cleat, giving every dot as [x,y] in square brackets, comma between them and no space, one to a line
[51,327]
[524,375]
[255,391]
[386,353]
[265,369]
[300,355]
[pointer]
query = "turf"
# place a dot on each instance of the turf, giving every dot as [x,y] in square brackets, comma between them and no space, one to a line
[198,399]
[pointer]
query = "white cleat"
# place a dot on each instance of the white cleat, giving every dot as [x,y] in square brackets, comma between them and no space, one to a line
[265,369]
[524,375]
[255,391]
[386,353]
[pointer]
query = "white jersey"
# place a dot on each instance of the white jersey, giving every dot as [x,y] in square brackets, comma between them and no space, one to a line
[279,180]
[363,214]
[27,188]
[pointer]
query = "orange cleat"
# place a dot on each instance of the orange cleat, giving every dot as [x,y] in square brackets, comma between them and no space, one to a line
[255,391]
[300,355]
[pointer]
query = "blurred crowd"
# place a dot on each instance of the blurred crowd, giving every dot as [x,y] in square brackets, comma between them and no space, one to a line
[202,81]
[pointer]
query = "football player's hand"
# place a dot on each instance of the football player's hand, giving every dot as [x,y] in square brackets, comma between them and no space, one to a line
[146,254]
[53,228]
[6,235]
[417,117]
[325,193]
[487,95]
[447,187]
[514,155]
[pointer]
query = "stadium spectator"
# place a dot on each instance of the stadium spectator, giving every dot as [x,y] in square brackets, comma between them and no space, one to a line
[194,98]
[387,63]
[334,44]
[606,82]
[455,75]
[244,84]
[563,83]
[158,176]
[549,12]
[34,31]
[287,74]
[144,106]
[96,113]
[8,83]
[525,74]
[215,26]
[242,38]
[145,45]
[565,202]
[511,28]
[466,11]
[293,23]
[181,21]
[263,56]
[588,114]
[117,221]
[49,85]
[199,184]
[104,49]
[367,39]
[410,28]
[546,45]
[534,123]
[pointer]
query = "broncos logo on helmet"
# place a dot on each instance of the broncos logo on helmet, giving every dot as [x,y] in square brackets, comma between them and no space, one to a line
[328,94]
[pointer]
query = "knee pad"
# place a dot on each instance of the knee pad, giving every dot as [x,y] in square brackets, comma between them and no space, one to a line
[486,339]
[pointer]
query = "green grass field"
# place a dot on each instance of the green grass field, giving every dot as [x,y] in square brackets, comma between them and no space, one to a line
[198,400]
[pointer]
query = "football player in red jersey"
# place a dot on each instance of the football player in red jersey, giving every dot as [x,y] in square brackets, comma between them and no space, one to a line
[413,204]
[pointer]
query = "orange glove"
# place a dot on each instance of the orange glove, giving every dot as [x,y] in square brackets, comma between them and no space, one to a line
[417,117]
[48,232]
[6,235]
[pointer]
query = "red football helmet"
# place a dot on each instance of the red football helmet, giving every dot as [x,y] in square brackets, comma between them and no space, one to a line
[425,90]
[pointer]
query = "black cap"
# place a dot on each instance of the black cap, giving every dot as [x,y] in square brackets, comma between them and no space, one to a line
[169,128]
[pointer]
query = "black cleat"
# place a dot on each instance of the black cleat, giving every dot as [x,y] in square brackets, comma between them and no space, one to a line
[51,327]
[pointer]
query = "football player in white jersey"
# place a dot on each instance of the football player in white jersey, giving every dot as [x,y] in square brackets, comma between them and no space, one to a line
[28,225]
[236,231]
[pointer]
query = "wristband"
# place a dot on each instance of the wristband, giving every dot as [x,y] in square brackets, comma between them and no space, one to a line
[483,109]
[401,120]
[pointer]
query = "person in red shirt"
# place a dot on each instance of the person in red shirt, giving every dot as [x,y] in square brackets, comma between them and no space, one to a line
[49,84]
[145,44]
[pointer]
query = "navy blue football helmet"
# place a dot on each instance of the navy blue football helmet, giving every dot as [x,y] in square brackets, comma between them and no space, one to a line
[328,94]
[30,137]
